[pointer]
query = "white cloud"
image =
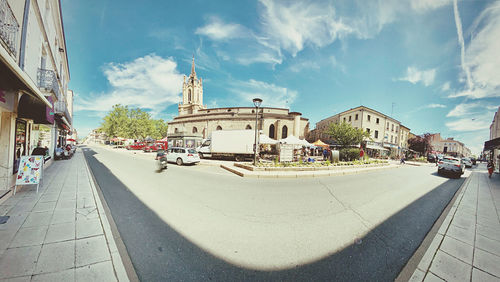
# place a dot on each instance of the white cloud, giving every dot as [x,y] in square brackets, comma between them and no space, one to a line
[216,29]
[413,75]
[482,56]
[462,110]
[293,25]
[149,82]
[445,87]
[272,95]
[304,65]
[427,5]
[434,106]
[458,23]
[470,124]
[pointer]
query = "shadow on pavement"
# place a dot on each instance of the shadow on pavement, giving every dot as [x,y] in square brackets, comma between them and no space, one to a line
[159,253]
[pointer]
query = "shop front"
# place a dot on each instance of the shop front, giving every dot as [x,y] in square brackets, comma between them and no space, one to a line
[376,150]
[185,140]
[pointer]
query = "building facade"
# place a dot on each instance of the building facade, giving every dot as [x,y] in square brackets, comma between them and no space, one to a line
[34,75]
[448,146]
[196,121]
[386,133]
[493,150]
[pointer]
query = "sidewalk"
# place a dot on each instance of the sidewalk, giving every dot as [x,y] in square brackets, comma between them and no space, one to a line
[61,233]
[467,245]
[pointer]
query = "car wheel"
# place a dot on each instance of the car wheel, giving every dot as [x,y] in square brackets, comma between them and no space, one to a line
[201,155]
[179,161]
[238,158]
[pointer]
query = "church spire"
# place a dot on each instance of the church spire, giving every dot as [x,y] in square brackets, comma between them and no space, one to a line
[193,72]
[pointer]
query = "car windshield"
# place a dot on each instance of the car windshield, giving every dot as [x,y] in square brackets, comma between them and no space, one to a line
[450,160]
[192,151]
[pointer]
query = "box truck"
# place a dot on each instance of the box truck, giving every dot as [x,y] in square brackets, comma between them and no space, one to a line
[232,144]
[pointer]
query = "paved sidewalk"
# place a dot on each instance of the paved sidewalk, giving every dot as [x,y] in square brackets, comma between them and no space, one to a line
[61,233]
[467,245]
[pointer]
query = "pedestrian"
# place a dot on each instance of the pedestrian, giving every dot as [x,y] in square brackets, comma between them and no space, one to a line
[325,154]
[402,159]
[491,168]
[361,153]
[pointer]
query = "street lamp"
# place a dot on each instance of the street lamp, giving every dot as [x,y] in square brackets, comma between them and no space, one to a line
[257,102]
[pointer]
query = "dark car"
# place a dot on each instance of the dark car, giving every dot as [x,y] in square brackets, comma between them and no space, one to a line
[473,160]
[431,158]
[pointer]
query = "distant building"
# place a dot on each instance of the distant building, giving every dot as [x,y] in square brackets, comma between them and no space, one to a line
[196,121]
[387,134]
[448,146]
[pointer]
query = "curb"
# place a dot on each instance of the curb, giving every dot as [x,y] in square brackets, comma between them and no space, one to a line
[429,244]
[299,175]
[124,269]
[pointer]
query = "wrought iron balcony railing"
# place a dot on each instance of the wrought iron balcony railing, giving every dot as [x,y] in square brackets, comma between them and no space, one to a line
[47,80]
[9,28]
[60,107]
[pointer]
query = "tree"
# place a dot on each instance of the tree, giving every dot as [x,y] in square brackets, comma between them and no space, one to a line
[140,125]
[116,122]
[160,129]
[346,135]
[421,143]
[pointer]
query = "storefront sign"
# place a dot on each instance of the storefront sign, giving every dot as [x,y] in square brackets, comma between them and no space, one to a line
[30,171]
[286,152]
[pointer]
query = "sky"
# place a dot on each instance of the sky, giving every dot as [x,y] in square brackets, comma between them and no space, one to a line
[432,64]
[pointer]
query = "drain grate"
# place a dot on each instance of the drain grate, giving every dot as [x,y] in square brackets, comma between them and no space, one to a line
[3,219]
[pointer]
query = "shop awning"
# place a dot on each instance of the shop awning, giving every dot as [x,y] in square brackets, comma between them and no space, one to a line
[376,147]
[32,108]
[20,80]
[492,144]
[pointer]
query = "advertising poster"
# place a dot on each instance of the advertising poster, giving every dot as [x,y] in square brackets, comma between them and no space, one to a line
[30,170]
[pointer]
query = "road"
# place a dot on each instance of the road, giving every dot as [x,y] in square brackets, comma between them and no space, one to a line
[200,222]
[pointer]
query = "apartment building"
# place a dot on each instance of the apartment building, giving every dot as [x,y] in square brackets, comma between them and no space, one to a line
[448,146]
[34,76]
[388,135]
[492,146]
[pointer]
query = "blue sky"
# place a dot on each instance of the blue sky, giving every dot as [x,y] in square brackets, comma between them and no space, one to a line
[436,60]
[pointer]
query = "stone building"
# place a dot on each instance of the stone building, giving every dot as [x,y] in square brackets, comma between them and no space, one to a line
[492,146]
[34,77]
[386,132]
[196,121]
[448,146]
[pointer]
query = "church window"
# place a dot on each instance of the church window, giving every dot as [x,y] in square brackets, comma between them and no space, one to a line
[189,95]
[219,127]
[248,126]
[271,131]
[284,132]
[195,130]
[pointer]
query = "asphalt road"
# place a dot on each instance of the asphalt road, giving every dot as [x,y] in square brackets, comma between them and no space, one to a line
[197,223]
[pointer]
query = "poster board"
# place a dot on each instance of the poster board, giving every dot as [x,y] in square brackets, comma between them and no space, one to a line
[30,171]
[286,152]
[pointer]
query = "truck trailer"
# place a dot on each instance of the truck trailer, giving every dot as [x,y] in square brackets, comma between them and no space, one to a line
[228,144]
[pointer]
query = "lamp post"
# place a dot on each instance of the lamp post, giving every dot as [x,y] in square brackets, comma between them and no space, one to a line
[257,102]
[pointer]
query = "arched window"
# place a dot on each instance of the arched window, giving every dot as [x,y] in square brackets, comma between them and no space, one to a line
[271,131]
[195,130]
[248,126]
[284,132]
[176,130]
[219,127]
[189,95]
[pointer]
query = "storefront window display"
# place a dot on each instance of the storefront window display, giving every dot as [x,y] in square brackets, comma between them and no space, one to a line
[20,148]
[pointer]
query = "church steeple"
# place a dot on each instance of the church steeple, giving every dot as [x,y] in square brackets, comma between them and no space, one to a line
[193,72]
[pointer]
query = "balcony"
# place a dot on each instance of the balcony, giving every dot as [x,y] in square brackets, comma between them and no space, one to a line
[61,108]
[47,80]
[9,28]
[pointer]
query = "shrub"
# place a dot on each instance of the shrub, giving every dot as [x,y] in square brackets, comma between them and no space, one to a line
[349,154]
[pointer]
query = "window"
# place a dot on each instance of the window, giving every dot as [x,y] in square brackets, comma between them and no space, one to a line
[368,130]
[397,128]
[368,117]
[387,125]
[344,119]
[219,127]
[195,130]
[376,133]
[378,120]
[176,130]
[349,118]
[284,132]
[189,95]
[356,118]
[248,126]
[396,139]
[391,138]
[271,131]
[392,128]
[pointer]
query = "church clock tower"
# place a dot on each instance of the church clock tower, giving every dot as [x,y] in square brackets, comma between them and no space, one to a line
[192,94]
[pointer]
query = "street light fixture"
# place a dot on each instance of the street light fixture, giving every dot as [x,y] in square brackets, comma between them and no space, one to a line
[257,102]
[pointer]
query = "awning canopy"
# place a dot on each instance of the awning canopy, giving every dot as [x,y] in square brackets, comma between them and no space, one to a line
[376,147]
[32,108]
[492,144]
[320,143]
[12,77]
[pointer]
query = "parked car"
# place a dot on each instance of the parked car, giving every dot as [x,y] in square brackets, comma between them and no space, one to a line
[451,165]
[136,146]
[467,162]
[154,147]
[431,158]
[182,156]
[473,160]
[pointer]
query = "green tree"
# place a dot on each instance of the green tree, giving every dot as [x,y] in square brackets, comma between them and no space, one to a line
[116,122]
[141,125]
[346,135]
[160,129]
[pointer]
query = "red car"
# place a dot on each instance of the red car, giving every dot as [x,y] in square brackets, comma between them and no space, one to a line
[154,147]
[136,146]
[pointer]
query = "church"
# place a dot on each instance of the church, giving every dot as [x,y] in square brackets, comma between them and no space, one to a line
[195,121]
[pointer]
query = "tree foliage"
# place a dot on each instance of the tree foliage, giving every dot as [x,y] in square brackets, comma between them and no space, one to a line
[346,135]
[421,144]
[132,123]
